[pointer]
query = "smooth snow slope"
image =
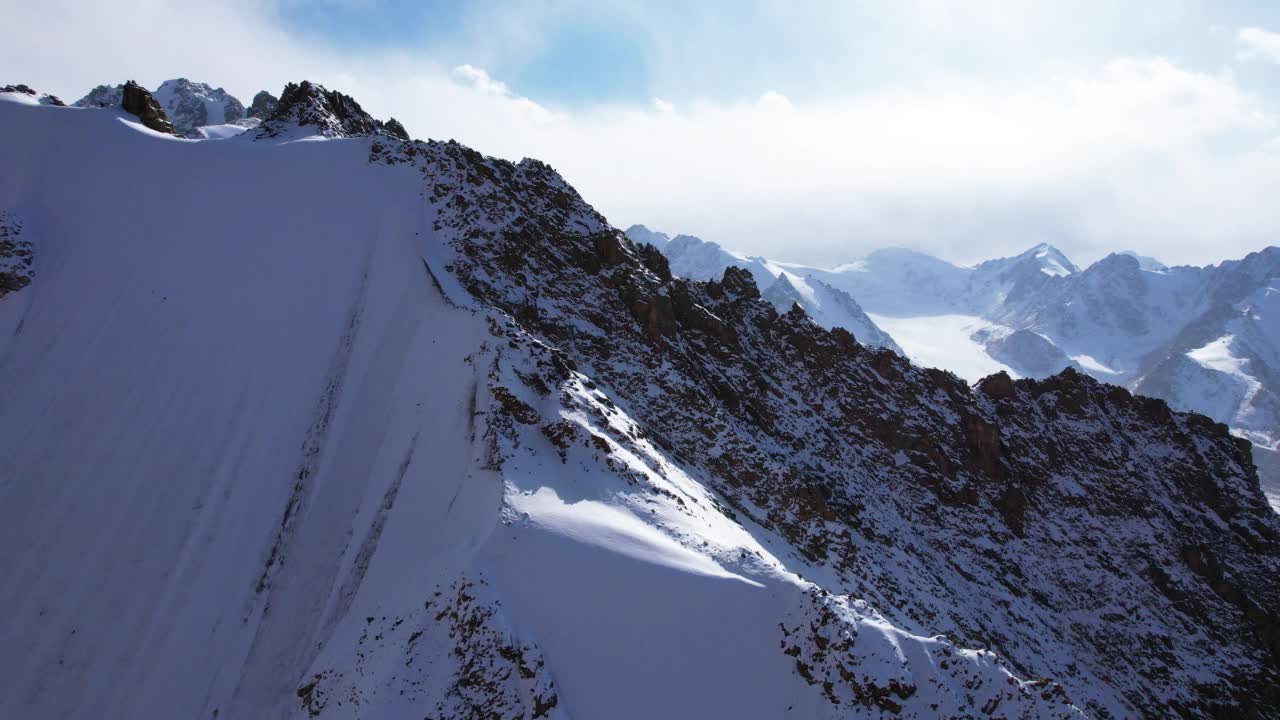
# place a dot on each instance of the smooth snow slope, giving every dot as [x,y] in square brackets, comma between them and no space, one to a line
[249,470]
[194,360]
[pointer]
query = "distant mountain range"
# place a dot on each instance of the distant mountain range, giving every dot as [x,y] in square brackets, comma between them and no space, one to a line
[1203,338]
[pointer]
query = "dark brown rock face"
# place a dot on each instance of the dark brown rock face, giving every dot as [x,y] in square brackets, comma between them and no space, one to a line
[395,129]
[263,106]
[329,112]
[138,101]
[998,386]
[1045,520]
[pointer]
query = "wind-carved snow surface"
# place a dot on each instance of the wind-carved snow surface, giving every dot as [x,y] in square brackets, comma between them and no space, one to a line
[273,461]
[209,380]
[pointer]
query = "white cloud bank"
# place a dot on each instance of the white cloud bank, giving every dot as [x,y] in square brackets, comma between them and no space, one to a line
[1135,153]
[1258,44]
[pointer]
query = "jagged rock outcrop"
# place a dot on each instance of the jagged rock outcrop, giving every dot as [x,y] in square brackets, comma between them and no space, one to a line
[395,129]
[828,306]
[324,112]
[1045,520]
[17,257]
[264,104]
[42,98]
[137,100]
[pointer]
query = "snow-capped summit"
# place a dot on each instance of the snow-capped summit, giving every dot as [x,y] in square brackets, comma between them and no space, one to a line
[192,105]
[641,234]
[1012,279]
[195,110]
[306,109]
[697,259]
[1146,262]
[877,280]
[1051,260]
[103,96]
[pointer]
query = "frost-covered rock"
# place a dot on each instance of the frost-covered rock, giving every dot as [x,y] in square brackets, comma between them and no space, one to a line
[136,100]
[191,105]
[1002,500]
[17,256]
[40,98]
[309,109]
[103,96]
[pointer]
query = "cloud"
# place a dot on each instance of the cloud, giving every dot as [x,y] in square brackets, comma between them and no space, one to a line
[480,80]
[1258,44]
[1137,153]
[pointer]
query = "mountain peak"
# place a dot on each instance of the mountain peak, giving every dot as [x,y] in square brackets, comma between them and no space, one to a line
[641,234]
[102,96]
[683,241]
[900,253]
[1145,262]
[1050,260]
[191,105]
[263,106]
[328,112]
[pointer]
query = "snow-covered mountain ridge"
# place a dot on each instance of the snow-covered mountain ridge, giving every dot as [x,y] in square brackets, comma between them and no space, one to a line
[197,110]
[433,439]
[1206,339]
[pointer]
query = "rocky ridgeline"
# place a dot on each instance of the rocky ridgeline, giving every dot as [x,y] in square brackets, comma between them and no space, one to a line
[326,112]
[1080,532]
[102,96]
[187,105]
[42,98]
[17,259]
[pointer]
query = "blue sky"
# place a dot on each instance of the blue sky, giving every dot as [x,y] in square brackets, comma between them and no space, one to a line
[576,53]
[806,131]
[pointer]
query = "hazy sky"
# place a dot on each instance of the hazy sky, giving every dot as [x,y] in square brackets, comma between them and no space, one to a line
[965,128]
